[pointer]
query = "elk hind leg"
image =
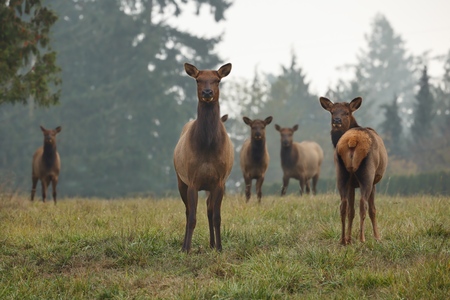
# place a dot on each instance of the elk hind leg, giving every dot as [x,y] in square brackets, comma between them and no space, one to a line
[372,214]
[366,191]
[350,214]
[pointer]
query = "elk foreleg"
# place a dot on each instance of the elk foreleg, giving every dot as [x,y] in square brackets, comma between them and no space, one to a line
[214,204]
[182,189]
[285,185]
[259,183]
[191,214]
[315,179]
[54,184]
[33,188]
[44,186]
[248,187]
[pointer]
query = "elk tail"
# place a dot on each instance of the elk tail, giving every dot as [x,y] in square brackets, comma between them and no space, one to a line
[353,147]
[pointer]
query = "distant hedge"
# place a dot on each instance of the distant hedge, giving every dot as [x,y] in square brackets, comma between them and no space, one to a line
[437,183]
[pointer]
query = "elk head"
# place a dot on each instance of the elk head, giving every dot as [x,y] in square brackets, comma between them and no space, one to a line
[207,81]
[258,127]
[50,135]
[287,135]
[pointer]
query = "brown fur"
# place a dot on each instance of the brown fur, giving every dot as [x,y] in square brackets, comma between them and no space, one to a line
[46,164]
[254,157]
[203,156]
[360,158]
[301,161]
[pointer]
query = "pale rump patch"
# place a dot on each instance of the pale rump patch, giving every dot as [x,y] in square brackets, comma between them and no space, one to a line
[353,147]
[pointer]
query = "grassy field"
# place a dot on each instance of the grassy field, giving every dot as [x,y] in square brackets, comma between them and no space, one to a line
[285,248]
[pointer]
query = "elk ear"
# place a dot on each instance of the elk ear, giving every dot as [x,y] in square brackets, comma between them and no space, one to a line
[326,103]
[191,70]
[58,129]
[295,128]
[247,120]
[277,127]
[268,120]
[42,128]
[224,118]
[355,104]
[224,70]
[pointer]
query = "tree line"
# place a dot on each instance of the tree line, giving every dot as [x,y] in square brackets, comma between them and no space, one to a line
[111,75]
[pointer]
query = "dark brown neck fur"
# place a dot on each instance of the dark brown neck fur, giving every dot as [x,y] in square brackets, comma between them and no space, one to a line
[336,134]
[258,149]
[206,133]
[49,155]
[289,156]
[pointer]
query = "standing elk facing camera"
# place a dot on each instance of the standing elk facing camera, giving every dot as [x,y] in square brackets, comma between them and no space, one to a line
[301,161]
[360,159]
[46,164]
[203,156]
[254,157]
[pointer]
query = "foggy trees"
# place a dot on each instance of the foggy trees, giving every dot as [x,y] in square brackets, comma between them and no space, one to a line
[124,100]
[28,69]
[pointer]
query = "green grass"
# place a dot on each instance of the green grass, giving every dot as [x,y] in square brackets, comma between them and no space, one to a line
[285,248]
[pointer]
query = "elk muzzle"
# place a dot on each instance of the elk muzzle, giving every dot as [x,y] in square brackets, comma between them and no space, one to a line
[207,95]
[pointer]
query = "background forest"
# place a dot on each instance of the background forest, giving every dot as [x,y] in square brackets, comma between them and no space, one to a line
[110,73]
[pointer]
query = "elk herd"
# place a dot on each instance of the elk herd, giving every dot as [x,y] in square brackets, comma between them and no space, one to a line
[204,156]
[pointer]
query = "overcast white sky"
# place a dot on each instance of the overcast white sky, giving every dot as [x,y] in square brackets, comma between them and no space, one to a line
[325,34]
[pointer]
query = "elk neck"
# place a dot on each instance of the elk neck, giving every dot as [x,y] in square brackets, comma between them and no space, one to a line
[289,156]
[49,154]
[336,134]
[207,131]
[258,149]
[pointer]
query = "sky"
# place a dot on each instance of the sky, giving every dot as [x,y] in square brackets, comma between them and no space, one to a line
[324,34]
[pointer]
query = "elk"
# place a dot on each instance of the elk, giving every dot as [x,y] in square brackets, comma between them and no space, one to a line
[46,164]
[203,156]
[254,157]
[301,161]
[360,159]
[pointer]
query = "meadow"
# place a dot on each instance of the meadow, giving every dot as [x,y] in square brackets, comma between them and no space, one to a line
[283,248]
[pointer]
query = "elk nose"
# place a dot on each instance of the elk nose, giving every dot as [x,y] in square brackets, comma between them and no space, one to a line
[337,121]
[258,135]
[207,93]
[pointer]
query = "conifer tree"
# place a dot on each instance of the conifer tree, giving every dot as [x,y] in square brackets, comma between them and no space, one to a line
[423,109]
[28,69]
[392,127]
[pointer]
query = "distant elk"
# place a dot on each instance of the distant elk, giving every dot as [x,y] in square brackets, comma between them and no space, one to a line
[360,159]
[204,155]
[254,157]
[46,164]
[301,161]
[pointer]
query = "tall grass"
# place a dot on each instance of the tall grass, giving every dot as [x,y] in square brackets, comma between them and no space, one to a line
[285,248]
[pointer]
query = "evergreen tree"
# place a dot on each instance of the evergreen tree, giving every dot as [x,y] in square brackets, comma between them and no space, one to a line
[424,109]
[28,67]
[392,127]
[385,69]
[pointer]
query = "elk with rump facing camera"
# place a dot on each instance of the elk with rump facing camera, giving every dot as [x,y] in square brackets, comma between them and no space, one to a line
[360,159]
[204,154]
